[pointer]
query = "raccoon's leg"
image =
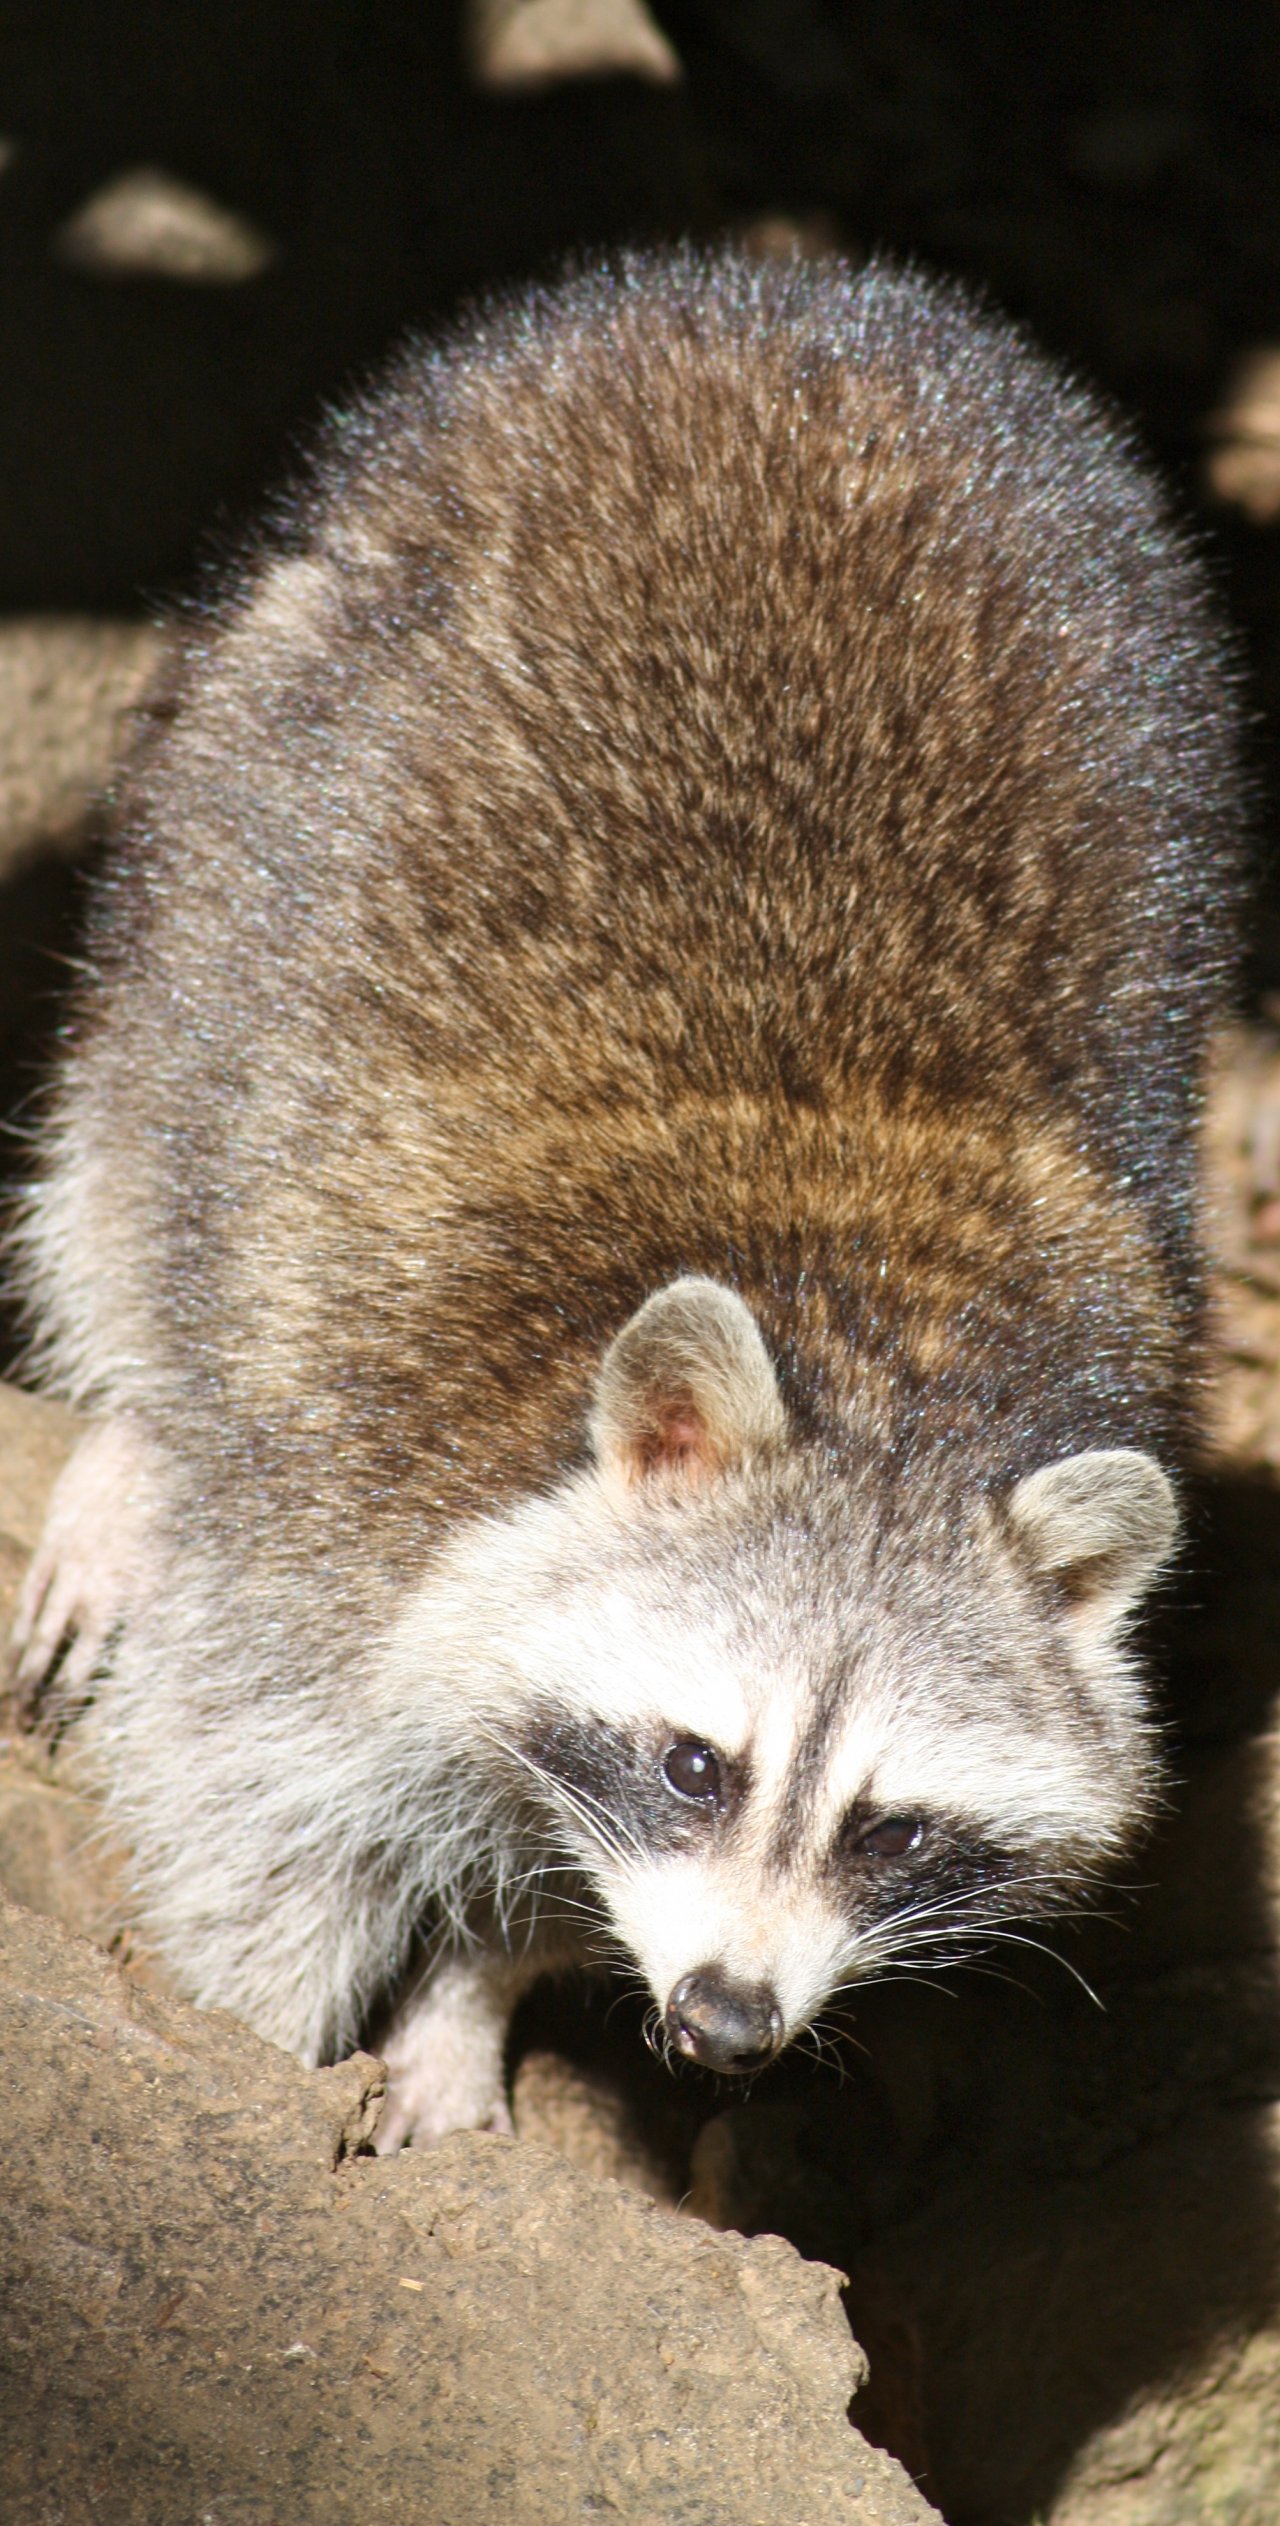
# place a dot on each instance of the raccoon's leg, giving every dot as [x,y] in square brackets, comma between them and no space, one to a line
[94,1557]
[444,2052]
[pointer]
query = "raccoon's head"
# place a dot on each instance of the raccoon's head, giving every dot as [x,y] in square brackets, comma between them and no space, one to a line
[796,1729]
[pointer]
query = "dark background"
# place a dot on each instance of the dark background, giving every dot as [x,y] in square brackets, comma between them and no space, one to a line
[1110,174]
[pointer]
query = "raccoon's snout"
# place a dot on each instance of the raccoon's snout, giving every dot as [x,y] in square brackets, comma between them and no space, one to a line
[724,2025]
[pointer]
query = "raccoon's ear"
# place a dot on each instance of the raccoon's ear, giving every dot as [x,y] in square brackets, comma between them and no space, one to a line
[686,1390]
[1098,1525]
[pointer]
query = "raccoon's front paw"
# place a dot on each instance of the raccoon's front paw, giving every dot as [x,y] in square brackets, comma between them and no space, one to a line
[88,1566]
[421,2107]
[444,2055]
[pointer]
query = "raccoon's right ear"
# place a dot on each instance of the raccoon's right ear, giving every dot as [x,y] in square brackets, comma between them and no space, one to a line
[686,1390]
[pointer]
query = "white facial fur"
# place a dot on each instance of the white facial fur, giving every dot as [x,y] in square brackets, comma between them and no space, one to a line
[683,1914]
[723,1617]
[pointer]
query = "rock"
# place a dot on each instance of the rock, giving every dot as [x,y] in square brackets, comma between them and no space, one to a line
[1125,2312]
[54,1856]
[1243,465]
[535,43]
[146,224]
[66,685]
[811,236]
[1243,1153]
[583,2116]
[214,2307]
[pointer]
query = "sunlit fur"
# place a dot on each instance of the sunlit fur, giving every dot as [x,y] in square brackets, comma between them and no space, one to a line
[724,773]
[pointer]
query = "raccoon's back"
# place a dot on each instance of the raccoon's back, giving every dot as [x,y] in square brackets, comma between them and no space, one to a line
[706,685]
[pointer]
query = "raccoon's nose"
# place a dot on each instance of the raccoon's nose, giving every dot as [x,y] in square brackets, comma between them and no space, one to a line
[725,2025]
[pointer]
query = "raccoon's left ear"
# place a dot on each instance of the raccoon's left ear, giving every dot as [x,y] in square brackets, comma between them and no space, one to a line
[686,1390]
[1098,1526]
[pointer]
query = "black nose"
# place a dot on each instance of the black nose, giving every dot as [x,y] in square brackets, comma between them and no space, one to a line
[725,2025]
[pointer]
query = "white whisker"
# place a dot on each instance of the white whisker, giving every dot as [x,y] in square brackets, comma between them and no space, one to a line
[606,1830]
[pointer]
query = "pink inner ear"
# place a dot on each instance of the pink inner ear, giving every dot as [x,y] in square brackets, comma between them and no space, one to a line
[676,1440]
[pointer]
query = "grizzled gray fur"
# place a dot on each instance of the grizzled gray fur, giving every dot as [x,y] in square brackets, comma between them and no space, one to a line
[622,1190]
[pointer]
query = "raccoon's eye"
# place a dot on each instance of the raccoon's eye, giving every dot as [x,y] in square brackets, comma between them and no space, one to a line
[893,1837]
[693,1771]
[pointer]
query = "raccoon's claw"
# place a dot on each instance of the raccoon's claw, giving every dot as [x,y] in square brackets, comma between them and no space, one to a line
[86,1570]
[55,1640]
[414,2119]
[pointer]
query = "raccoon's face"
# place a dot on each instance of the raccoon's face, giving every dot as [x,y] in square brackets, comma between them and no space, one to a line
[790,1736]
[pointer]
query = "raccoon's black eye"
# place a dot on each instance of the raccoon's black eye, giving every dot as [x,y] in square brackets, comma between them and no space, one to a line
[893,1837]
[693,1771]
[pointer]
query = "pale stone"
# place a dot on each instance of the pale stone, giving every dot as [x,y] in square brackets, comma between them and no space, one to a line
[147,224]
[533,43]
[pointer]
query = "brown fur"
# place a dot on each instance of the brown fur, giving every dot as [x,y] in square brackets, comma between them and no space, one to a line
[701,788]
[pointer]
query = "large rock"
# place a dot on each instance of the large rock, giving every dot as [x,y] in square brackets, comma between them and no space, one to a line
[213,2307]
[525,44]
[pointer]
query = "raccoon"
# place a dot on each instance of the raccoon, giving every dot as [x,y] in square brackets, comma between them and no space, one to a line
[622,1188]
